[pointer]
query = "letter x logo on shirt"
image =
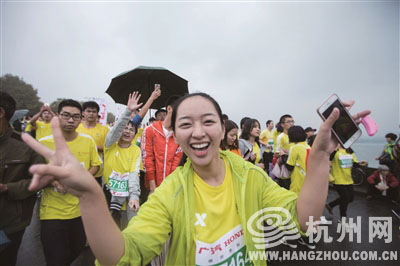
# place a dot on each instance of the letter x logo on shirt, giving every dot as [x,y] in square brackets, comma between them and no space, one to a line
[200,219]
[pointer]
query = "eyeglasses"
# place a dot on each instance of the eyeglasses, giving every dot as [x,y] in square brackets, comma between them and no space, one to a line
[67,116]
[289,122]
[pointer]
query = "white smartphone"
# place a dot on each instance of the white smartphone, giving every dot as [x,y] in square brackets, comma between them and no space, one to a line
[345,129]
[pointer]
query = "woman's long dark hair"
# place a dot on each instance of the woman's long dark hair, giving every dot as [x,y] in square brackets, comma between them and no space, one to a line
[248,127]
[229,125]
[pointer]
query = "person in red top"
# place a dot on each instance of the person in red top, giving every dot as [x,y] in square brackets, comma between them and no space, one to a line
[382,182]
[161,154]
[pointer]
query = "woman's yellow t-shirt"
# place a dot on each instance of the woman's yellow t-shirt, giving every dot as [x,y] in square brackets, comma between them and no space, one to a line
[298,156]
[342,164]
[218,241]
[256,150]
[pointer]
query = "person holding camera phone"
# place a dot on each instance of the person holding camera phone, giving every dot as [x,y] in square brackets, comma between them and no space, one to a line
[177,207]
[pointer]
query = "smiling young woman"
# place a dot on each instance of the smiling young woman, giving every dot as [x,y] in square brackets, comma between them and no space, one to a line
[230,141]
[208,200]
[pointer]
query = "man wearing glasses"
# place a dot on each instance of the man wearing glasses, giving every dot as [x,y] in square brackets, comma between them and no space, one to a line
[282,149]
[62,233]
[283,145]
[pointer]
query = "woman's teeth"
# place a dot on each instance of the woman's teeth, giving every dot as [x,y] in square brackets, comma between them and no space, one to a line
[200,146]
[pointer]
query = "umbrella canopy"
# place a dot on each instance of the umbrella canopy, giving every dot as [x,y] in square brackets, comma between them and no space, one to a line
[18,114]
[143,79]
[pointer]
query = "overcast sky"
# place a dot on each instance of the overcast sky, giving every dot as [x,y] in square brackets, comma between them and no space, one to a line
[260,59]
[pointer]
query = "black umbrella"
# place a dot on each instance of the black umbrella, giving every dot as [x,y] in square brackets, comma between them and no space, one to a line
[143,79]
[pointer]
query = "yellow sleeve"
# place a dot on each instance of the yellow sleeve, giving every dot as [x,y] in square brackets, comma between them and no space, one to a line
[263,136]
[137,158]
[280,198]
[28,127]
[104,135]
[95,159]
[292,156]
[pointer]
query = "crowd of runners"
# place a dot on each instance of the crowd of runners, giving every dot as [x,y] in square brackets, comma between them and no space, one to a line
[187,180]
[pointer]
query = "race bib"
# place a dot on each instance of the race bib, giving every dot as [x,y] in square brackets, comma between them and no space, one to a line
[271,142]
[118,184]
[228,250]
[346,161]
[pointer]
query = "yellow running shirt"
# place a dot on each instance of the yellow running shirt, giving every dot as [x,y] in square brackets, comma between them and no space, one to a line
[267,136]
[257,152]
[42,129]
[218,241]
[28,128]
[276,135]
[283,142]
[121,160]
[98,133]
[298,157]
[55,205]
[342,164]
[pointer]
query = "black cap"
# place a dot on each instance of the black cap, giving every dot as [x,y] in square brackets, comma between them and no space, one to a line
[308,129]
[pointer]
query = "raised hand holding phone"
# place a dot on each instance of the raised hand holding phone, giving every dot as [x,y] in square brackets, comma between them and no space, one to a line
[345,128]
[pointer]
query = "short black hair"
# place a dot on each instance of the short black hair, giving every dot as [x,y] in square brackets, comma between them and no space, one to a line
[160,111]
[225,117]
[268,122]
[391,136]
[69,102]
[90,104]
[297,134]
[130,122]
[8,103]
[282,119]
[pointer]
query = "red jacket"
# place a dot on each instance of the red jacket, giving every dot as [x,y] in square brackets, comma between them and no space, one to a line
[391,180]
[161,155]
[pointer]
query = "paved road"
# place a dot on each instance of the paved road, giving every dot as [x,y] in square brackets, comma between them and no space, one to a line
[31,253]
